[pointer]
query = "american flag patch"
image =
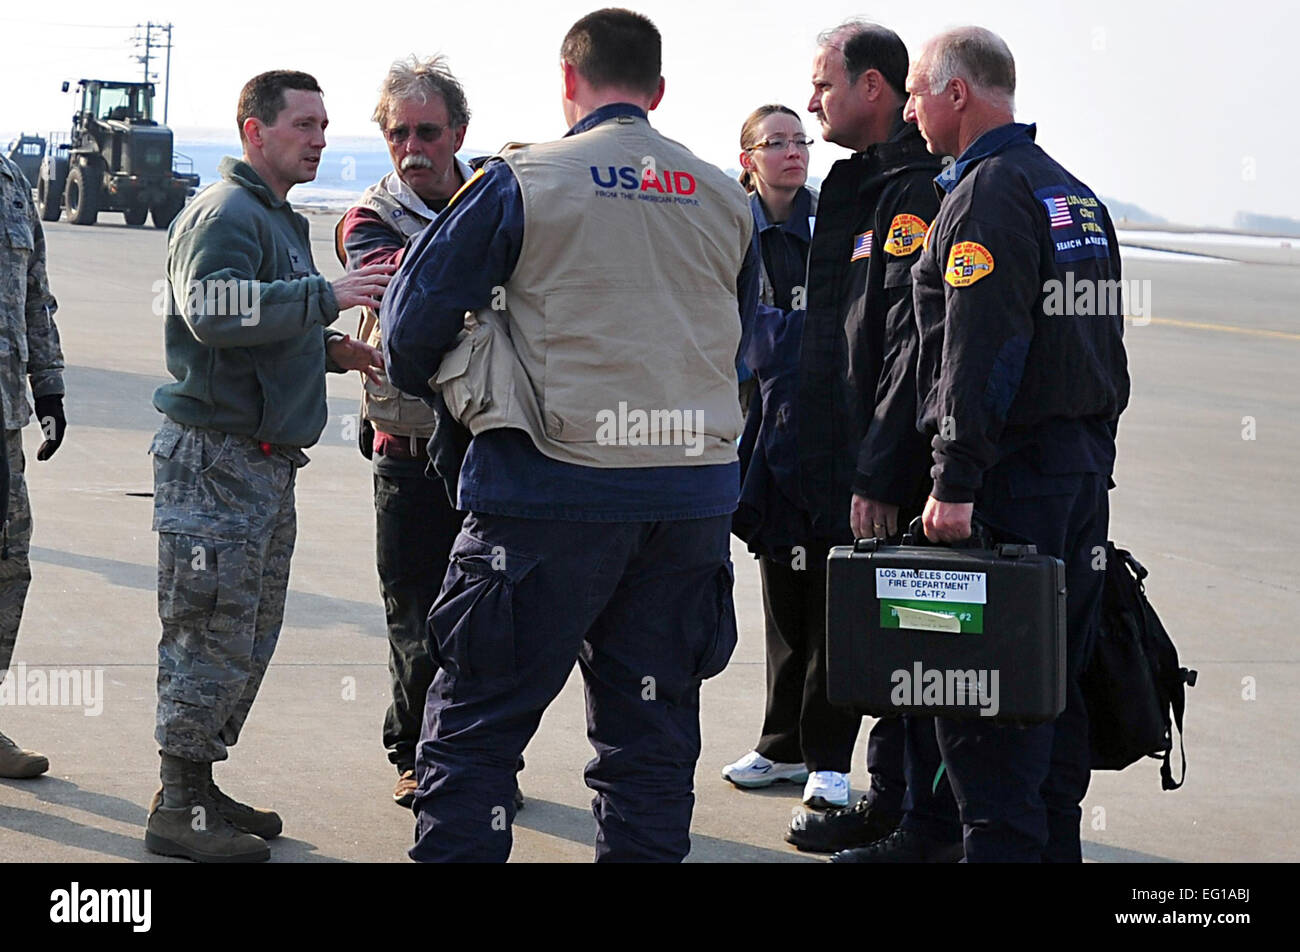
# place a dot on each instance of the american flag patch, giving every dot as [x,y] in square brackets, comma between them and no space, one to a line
[862,246]
[1058,211]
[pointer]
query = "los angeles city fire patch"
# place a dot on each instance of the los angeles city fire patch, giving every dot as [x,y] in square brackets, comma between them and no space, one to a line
[906,235]
[968,261]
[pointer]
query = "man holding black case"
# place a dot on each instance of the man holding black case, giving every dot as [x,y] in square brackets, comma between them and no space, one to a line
[1021,399]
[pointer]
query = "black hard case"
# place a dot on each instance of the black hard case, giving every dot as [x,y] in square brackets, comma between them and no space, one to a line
[1023,637]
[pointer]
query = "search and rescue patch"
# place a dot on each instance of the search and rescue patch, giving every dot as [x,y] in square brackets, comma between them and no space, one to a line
[1076,222]
[862,245]
[968,261]
[906,235]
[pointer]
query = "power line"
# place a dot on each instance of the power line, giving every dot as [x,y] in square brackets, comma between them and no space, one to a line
[74,26]
[66,46]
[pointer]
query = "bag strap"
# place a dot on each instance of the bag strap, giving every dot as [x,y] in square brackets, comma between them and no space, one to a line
[1177,702]
[1186,677]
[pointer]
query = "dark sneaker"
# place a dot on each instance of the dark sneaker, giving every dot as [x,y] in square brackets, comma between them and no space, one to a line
[404,792]
[841,829]
[903,847]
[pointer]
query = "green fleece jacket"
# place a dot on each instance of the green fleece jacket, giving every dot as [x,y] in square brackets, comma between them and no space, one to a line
[247,317]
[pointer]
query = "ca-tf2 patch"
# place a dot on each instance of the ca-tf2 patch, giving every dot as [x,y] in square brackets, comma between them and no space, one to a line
[968,262]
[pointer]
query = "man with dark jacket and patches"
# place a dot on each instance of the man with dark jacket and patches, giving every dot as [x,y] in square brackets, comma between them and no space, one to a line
[862,466]
[1021,403]
[248,342]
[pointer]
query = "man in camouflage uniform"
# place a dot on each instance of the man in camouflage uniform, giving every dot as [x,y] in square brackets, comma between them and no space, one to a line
[248,343]
[29,350]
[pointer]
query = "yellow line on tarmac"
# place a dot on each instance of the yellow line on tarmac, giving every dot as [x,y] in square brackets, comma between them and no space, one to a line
[1223,328]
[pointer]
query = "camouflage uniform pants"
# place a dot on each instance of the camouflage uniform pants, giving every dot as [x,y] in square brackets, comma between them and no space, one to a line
[224,514]
[16,570]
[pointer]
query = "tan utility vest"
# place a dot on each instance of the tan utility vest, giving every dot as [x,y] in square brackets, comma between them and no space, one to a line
[387,408]
[614,343]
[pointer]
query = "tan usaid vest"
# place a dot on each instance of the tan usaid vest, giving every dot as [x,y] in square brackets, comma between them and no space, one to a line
[616,344]
[388,409]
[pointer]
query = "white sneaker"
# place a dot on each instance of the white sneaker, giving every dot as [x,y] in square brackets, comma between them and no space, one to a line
[825,789]
[754,770]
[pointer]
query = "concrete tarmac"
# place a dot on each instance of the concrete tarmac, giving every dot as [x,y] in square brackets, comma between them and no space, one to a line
[1205,498]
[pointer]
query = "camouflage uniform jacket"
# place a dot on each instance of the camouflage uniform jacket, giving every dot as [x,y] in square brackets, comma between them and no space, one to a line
[29,341]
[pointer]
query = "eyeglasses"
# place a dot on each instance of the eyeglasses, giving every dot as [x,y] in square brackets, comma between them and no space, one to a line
[780,145]
[426,131]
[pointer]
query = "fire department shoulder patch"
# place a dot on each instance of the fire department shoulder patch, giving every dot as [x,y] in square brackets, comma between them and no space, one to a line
[968,261]
[906,235]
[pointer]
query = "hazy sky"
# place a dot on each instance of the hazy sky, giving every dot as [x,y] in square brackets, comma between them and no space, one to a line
[1182,108]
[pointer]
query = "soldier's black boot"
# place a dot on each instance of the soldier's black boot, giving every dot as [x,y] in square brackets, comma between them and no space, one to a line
[263,823]
[19,764]
[842,828]
[903,846]
[187,820]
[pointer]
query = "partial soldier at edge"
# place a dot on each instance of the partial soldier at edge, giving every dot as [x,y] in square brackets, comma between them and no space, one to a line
[32,354]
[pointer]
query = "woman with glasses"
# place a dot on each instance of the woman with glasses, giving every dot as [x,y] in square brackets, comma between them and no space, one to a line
[804,739]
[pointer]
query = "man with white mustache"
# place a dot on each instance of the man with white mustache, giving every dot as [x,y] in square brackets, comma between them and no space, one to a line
[423,115]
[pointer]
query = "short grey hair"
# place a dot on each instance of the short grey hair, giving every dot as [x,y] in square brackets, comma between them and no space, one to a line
[977,55]
[414,78]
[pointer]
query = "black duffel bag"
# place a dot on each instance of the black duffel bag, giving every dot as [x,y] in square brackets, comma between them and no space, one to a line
[1133,685]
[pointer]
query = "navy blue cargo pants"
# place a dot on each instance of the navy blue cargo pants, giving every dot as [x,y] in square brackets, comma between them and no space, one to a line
[1018,789]
[644,608]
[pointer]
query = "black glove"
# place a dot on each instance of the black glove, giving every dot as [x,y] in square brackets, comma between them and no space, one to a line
[366,439]
[49,414]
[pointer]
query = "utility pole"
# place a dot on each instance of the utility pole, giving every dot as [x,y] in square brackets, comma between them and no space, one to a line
[167,89]
[149,44]
[148,47]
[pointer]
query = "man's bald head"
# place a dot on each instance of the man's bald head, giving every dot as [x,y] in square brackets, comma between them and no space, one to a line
[976,55]
[963,85]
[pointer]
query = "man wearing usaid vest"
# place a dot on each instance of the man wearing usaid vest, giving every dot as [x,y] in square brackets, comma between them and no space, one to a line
[610,275]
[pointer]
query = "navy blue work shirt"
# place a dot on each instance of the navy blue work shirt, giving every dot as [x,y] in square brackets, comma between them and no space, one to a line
[451,268]
[1015,375]
[771,517]
[784,245]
